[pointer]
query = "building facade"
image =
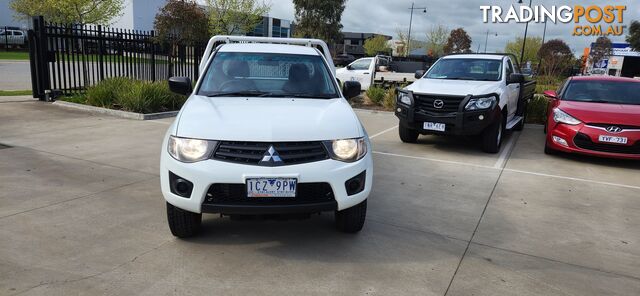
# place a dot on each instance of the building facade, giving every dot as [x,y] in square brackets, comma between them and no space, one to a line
[272,27]
[623,62]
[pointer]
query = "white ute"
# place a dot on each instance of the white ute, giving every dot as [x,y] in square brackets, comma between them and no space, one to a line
[266,130]
[466,94]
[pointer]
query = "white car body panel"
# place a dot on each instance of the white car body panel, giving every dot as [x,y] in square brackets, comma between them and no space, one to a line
[265,119]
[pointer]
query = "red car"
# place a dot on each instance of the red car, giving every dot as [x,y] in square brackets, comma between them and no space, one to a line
[595,115]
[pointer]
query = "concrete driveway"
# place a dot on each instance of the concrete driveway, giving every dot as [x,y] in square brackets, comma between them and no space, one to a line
[81,213]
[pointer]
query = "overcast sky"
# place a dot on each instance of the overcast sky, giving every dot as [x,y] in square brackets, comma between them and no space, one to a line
[385,16]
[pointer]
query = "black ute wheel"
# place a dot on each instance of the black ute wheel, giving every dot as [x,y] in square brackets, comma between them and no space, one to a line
[407,135]
[492,136]
[351,220]
[183,223]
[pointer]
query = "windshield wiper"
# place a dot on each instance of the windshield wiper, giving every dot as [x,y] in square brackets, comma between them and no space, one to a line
[244,93]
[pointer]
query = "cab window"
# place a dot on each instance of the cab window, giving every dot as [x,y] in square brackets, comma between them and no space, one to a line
[360,64]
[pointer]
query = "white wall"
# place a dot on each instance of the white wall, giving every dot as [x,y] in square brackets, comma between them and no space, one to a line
[6,16]
[138,14]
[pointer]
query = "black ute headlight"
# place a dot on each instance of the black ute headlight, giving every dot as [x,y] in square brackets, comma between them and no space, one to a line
[190,150]
[405,98]
[481,103]
[347,150]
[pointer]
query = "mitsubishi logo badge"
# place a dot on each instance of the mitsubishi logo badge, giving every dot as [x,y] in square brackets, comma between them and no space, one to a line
[271,157]
[439,104]
[614,129]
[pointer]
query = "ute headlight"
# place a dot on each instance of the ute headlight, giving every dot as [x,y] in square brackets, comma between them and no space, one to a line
[560,116]
[347,150]
[190,150]
[480,103]
[404,98]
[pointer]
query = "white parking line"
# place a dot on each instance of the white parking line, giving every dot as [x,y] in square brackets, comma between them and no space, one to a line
[384,131]
[434,159]
[509,170]
[573,179]
[506,151]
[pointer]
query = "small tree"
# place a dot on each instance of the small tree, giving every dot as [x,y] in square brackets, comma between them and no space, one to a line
[555,56]
[319,19]
[70,11]
[601,49]
[634,35]
[458,42]
[374,45]
[233,17]
[436,40]
[181,21]
[530,50]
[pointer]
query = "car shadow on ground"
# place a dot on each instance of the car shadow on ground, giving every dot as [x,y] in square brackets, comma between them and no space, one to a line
[316,239]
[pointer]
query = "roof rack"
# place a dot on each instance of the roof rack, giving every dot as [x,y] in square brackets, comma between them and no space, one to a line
[317,43]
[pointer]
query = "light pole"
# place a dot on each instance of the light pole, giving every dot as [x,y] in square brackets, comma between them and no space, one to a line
[524,41]
[486,39]
[424,10]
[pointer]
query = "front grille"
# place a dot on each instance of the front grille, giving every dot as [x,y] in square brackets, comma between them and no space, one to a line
[253,152]
[236,194]
[622,126]
[425,103]
[583,141]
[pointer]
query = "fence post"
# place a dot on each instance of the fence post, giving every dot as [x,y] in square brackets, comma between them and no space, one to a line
[100,53]
[39,60]
[6,38]
[153,56]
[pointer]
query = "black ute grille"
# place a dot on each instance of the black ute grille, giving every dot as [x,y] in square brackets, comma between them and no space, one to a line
[252,152]
[424,103]
[236,194]
[583,141]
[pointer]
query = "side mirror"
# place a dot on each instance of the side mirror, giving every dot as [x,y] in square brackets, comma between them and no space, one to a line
[515,78]
[349,67]
[419,74]
[180,85]
[551,94]
[351,89]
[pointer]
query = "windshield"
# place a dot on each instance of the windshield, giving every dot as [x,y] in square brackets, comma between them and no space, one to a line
[466,69]
[615,92]
[268,75]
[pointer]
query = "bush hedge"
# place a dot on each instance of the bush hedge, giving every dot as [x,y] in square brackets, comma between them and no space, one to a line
[127,94]
[376,94]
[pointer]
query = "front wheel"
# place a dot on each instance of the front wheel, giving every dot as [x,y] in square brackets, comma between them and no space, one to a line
[492,136]
[548,150]
[183,223]
[351,220]
[407,135]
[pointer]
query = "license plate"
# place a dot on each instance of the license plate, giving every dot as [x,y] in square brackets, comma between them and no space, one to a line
[612,139]
[271,187]
[434,126]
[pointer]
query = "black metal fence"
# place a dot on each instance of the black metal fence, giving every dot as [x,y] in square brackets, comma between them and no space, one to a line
[66,59]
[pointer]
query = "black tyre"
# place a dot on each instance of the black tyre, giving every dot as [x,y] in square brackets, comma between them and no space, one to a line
[408,135]
[492,136]
[183,223]
[548,150]
[351,220]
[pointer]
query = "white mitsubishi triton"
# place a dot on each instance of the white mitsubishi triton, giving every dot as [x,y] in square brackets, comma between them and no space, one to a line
[266,130]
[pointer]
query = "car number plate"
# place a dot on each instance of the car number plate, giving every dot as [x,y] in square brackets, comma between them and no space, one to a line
[612,139]
[271,187]
[434,126]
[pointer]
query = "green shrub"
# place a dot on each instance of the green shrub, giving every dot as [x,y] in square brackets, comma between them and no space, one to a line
[547,83]
[376,94]
[148,97]
[537,109]
[104,93]
[133,95]
[389,102]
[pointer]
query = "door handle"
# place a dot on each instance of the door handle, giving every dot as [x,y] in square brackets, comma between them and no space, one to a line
[366,73]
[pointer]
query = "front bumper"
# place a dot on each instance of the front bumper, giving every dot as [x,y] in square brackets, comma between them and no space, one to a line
[583,139]
[456,123]
[206,173]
